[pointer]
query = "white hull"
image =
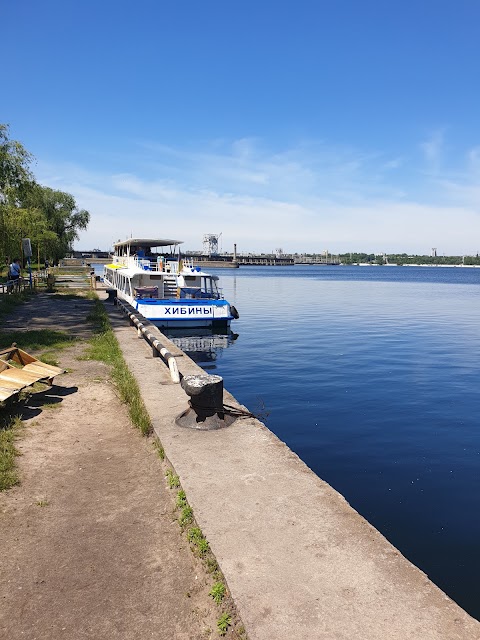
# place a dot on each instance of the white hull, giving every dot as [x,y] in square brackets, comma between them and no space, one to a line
[182,313]
[169,292]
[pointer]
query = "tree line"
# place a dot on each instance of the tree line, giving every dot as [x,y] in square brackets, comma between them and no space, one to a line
[50,218]
[404,258]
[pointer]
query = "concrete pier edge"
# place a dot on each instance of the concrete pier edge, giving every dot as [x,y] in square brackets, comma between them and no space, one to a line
[299,561]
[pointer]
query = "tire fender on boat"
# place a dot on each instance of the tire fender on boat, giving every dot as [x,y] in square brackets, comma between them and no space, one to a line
[234,312]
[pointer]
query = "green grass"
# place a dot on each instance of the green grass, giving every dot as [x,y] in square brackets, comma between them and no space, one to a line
[217,592]
[8,302]
[37,339]
[199,542]
[105,348]
[201,549]
[51,405]
[49,358]
[172,479]
[181,500]
[186,516]
[9,432]
[159,449]
[211,564]
[224,621]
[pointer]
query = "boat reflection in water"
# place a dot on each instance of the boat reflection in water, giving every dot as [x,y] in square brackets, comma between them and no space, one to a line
[201,345]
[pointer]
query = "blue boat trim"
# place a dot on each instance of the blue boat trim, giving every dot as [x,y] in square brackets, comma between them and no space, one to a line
[182,301]
[166,288]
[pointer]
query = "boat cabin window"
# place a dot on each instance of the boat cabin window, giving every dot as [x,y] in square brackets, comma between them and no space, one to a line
[208,285]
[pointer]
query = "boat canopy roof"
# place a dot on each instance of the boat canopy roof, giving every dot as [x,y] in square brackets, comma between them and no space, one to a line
[147,242]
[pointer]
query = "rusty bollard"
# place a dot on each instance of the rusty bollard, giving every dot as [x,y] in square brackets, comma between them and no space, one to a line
[206,411]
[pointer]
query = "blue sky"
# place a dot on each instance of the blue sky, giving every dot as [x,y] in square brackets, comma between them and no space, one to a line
[306,125]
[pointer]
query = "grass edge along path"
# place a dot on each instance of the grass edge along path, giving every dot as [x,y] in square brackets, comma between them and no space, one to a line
[105,348]
[11,426]
[9,432]
[229,619]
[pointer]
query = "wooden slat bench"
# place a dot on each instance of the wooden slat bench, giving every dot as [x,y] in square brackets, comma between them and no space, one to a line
[15,378]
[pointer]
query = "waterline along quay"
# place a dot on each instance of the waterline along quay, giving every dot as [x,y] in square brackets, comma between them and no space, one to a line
[299,561]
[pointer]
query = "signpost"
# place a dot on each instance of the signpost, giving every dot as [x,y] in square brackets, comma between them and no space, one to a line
[27,252]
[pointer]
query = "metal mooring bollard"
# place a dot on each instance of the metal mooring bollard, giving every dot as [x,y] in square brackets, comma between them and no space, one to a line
[112,295]
[206,411]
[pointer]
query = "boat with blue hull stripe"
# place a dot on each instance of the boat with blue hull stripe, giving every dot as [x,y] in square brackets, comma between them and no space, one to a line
[165,288]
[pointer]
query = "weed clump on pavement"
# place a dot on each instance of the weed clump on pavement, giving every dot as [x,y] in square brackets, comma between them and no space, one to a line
[159,449]
[201,549]
[172,479]
[224,621]
[217,592]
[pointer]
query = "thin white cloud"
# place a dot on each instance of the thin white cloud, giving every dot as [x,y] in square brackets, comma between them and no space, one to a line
[395,163]
[309,198]
[433,150]
[473,158]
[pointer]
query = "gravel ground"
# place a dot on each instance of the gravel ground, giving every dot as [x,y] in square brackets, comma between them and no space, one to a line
[90,545]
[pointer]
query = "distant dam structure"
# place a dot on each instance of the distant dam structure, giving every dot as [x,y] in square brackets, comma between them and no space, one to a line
[225,260]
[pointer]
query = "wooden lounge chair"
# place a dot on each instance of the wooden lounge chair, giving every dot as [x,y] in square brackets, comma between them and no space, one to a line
[14,378]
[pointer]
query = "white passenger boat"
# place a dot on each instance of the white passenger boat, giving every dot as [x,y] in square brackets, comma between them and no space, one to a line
[167,289]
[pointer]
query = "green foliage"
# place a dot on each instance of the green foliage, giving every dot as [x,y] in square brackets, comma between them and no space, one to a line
[186,516]
[211,564]
[50,218]
[203,547]
[405,259]
[8,434]
[217,592]
[172,479]
[51,405]
[64,220]
[8,303]
[224,621]
[104,347]
[196,537]
[181,500]
[159,449]
[49,358]
[15,161]
[37,339]
[194,534]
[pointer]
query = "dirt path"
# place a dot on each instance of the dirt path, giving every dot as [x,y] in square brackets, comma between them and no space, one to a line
[89,545]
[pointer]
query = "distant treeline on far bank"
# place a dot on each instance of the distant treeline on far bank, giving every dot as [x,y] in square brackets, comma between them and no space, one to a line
[405,259]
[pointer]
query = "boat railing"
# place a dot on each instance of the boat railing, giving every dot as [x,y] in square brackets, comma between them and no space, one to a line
[159,265]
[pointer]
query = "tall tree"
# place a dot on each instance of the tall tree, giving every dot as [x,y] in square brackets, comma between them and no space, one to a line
[50,218]
[16,179]
[15,160]
[63,217]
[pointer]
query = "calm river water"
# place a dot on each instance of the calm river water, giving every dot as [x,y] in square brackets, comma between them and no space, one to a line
[372,376]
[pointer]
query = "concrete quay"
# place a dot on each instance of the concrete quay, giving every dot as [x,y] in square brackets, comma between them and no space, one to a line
[299,561]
